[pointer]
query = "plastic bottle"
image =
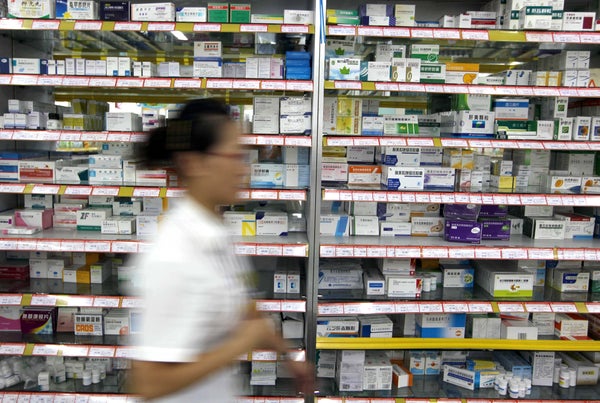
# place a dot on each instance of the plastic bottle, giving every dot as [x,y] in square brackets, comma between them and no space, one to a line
[426,284]
[528,385]
[433,283]
[572,377]
[513,389]
[522,389]
[556,376]
[87,377]
[95,375]
[564,380]
[502,387]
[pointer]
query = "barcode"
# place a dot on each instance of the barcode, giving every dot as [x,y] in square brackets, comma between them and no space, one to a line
[522,336]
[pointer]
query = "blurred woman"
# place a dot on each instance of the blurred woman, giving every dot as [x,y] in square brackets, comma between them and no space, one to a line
[198,318]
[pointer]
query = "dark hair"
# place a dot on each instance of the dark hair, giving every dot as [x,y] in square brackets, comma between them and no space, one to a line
[197,128]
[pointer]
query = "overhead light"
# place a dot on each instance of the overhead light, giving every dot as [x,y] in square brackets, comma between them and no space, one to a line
[179,35]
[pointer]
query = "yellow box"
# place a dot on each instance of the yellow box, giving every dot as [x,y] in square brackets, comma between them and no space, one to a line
[83,275]
[452,158]
[468,159]
[554,78]
[462,73]
[331,151]
[349,107]
[467,67]
[348,125]
[502,182]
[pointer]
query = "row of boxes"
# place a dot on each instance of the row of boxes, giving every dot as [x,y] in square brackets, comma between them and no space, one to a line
[282,115]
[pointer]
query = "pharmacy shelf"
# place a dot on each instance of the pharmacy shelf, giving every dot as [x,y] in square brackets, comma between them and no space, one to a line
[512,199]
[138,137]
[431,389]
[492,35]
[116,26]
[114,383]
[465,306]
[64,240]
[463,89]
[415,343]
[102,397]
[518,247]
[115,301]
[294,194]
[155,83]
[396,141]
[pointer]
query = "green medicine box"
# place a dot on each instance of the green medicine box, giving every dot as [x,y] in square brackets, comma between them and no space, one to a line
[239,13]
[218,12]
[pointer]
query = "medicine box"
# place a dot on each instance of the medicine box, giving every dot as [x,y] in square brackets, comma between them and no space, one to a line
[364,225]
[502,283]
[570,280]
[568,325]
[427,226]
[88,324]
[441,325]
[458,276]
[402,178]
[153,12]
[403,286]
[375,326]
[91,219]
[116,322]
[518,330]
[33,218]
[334,225]
[266,175]
[271,223]
[343,326]
[240,223]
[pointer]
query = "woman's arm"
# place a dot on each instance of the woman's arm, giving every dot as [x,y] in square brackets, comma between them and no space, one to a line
[154,379]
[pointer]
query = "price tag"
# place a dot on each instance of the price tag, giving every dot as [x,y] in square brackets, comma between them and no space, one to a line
[499,199]
[270,140]
[11,24]
[531,145]
[161,26]
[446,33]
[12,397]
[510,307]
[45,189]
[298,29]
[45,349]
[24,398]
[76,81]
[593,307]
[146,192]
[303,141]
[407,307]
[131,302]
[408,197]
[564,307]
[475,198]
[589,37]
[514,253]
[392,142]
[130,83]
[253,28]
[384,307]
[50,80]
[73,246]
[75,350]
[590,254]
[537,307]
[219,84]
[588,92]
[347,85]
[362,196]
[394,197]
[366,141]
[572,254]
[481,89]
[579,146]
[327,251]
[377,251]
[5,79]
[187,83]
[24,79]
[539,37]
[46,25]
[12,349]
[97,246]
[417,87]
[78,190]
[203,27]
[25,135]
[435,252]
[513,200]
[504,90]
[10,188]
[545,92]
[488,253]
[360,251]
[386,87]
[245,249]
[407,252]
[456,89]
[268,306]
[480,143]
[269,250]
[533,200]
[358,308]
[456,307]
[556,145]
[421,33]
[246,84]
[6,134]
[102,82]
[102,351]
[8,244]
[344,251]
[525,91]
[292,195]
[475,35]
[563,37]
[125,352]
[43,300]
[448,198]
[124,247]
[429,307]
[105,191]
[454,143]
[422,197]
[568,92]
[461,253]
[88,25]
[541,254]
[25,244]
[331,309]
[127,26]
[70,136]
[74,300]
[273,85]
[396,32]
[49,245]
[480,307]
[157,83]
[42,398]
[461,198]
[106,302]
[293,306]
[370,31]
[10,299]
[341,30]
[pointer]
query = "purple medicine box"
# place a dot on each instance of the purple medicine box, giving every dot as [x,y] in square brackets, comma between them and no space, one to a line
[461,211]
[494,211]
[495,228]
[462,231]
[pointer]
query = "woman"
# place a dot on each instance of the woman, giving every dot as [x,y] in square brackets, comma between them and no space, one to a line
[198,319]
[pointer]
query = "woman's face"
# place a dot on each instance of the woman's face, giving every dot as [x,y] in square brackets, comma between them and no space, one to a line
[222,167]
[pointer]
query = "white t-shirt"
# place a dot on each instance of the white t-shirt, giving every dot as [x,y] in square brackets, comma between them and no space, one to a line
[194,296]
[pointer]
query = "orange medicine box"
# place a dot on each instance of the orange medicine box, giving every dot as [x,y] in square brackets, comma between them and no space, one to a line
[364,175]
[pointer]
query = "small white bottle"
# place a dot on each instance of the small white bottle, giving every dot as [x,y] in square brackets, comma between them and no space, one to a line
[87,377]
[522,389]
[572,377]
[95,375]
[528,384]
[556,376]
[564,380]
[433,282]
[502,387]
[513,389]
[426,284]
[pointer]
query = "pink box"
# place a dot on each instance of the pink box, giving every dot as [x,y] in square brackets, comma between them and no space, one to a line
[34,218]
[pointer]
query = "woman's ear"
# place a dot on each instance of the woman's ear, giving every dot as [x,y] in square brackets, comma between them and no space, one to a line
[190,164]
